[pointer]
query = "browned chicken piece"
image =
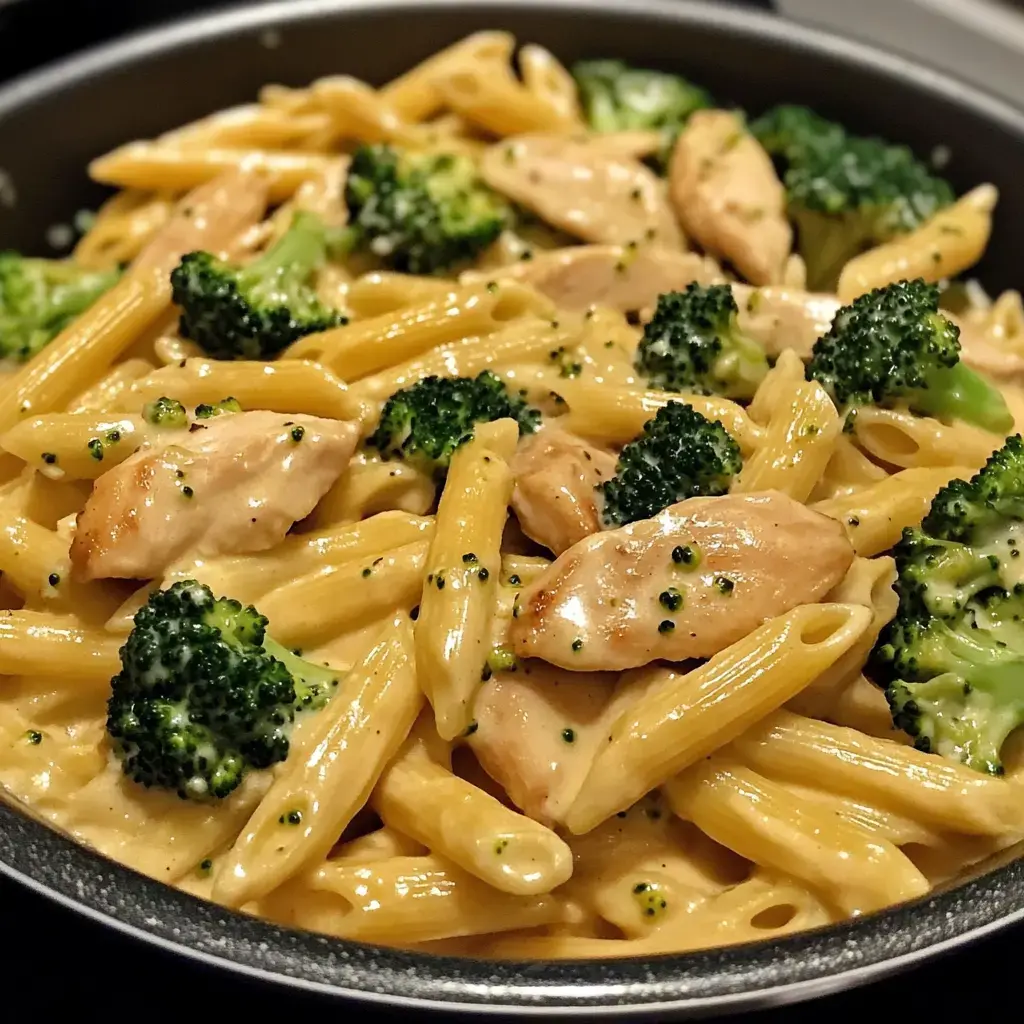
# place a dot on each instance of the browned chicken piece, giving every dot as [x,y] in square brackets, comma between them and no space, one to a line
[210,217]
[781,318]
[582,190]
[555,497]
[231,486]
[685,584]
[537,733]
[728,197]
[614,276]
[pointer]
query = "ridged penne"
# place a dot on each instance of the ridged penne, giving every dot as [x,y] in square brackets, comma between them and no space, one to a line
[876,515]
[689,716]
[801,427]
[318,791]
[854,869]
[283,386]
[929,789]
[460,590]
[511,852]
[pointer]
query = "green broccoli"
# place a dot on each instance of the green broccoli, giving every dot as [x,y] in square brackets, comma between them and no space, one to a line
[616,98]
[420,213]
[845,193]
[952,661]
[39,298]
[165,412]
[694,343]
[205,412]
[892,347]
[425,422]
[679,455]
[257,310]
[204,695]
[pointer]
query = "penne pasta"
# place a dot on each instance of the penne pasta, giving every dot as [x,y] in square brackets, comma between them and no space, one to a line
[943,247]
[801,427]
[689,716]
[158,168]
[875,516]
[284,386]
[512,853]
[854,869]
[349,744]
[906,441]
[929,789]
[459,593]
[369,346]
[616,415]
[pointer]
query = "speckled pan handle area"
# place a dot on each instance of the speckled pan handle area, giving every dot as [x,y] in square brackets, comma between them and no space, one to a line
[54,122]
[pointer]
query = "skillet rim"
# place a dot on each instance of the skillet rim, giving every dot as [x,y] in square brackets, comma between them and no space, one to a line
[803,966]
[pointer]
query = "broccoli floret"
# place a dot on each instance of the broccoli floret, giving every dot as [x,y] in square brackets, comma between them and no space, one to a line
[205,412]
[39,298]
[204,694]
[420,213]
[257,310]
[952,661]
[425,422]
[694,343]
[165,412]
[845,193]
[616,98]
[892,347]
[680,455]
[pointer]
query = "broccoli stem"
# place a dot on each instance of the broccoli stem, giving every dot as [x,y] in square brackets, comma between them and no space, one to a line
[310,680]
[299,250]
[827,242]
[742,365]
[958,393]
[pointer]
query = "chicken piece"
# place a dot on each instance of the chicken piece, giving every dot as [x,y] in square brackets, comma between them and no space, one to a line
[583,190]
[555,497]
[728,197]
[685,584]
[538,729]
[781,318]
[233,485]
[987,353]
[613,276]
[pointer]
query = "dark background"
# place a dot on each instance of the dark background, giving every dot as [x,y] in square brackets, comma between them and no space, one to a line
[52,958]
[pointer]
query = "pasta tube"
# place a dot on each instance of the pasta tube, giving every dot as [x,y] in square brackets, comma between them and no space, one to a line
[335,598]
[907,441]
[369,346]
[943,247]
[284,386]
[875,516]
[460,591]
[162,168]
[801,430]
[759,819]
[38,643]
[688,717]
[616,415]
[404,900]
[467,826]
[317,793]
[248,577]
[926,787]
